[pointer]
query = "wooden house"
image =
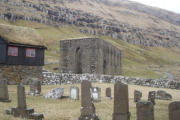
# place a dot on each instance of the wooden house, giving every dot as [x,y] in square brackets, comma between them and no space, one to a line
[22,51]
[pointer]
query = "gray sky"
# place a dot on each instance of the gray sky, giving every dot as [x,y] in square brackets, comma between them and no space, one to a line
[172,5]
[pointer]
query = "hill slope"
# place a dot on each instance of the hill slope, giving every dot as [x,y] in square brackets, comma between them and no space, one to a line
[124,20]
[138,61]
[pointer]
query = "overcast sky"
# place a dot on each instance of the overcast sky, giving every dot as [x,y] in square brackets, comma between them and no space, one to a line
[172,5]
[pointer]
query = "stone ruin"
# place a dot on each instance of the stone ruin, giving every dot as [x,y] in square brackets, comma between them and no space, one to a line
[35,88]
[151,97]
[96,94]
[74,93]
[145,110]
[108,93]
[137,96]
[174,110]
[89,55]
[88,111]
[121,102]
[21,110]
[4,96]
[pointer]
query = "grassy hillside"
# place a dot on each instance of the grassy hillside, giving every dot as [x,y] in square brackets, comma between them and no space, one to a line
[138,61]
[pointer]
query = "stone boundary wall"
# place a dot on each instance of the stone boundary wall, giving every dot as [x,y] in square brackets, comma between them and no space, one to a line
[15,74]
[68,78]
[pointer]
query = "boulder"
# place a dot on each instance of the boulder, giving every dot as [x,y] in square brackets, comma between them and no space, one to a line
[55,93]
[163,95]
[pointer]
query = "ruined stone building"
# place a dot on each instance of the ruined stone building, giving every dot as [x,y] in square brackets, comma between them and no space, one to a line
[89,55]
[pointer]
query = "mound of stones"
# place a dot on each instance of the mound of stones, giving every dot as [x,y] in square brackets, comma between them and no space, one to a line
[55,93]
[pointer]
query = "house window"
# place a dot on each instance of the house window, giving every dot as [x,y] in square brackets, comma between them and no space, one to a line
[30,52]
[12,51]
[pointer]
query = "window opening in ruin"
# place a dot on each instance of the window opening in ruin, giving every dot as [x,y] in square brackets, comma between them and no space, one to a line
[78,61]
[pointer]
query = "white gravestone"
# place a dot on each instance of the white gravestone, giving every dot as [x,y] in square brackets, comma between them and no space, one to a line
[74,93]
[96,94]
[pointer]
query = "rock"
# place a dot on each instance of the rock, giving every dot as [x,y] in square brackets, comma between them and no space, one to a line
[163,95]
[55,93]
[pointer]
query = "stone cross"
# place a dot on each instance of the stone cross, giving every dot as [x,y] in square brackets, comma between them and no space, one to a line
[74,93]
[21,110]
[4,97]
[121,102]
[174,110]
[108,93]
[137,95]
[152,96]
[145,110]
[35,88]
[96,94]
[87,106]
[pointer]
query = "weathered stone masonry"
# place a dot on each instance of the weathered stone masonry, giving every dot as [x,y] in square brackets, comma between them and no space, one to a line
[13,73]
[67,78]
[89,55]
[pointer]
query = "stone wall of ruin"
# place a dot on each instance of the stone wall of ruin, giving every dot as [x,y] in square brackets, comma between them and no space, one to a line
[19,73]
[89,55]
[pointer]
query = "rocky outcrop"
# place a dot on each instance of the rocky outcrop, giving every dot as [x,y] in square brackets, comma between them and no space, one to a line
[67,78]
[88,22]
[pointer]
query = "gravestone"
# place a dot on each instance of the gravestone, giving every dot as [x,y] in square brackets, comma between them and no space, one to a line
[4,97]
[137,95]
[35,88]
[21,110]
[87,107]
[151,97]
[121,102]
[163,95]
[145,110]
[108,93]
[96,94]
[174,110]
[74,93]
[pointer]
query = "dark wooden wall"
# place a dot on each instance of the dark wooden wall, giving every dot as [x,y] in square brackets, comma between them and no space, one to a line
[2,51]
[21,59]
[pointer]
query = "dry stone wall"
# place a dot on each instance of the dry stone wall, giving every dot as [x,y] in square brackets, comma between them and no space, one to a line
[18,73]
[68,78]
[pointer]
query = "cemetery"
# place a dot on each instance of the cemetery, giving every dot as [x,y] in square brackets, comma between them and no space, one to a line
[76,102]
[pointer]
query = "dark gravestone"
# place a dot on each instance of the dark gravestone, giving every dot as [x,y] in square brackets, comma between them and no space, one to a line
[4,97]
[21,110]
[87,106]
[96,94]
[21,97]
[108,93]
[145,110]
[121,102]
[137,95]
[174,110]
[151,97]
[74,93]
[35,88]
[163,95]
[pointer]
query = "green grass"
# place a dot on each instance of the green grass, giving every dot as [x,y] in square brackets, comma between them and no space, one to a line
[137,61]
[66,109]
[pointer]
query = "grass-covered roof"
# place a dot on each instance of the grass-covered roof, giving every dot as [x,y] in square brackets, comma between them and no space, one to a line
[20,35]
